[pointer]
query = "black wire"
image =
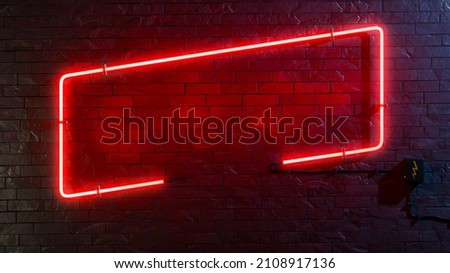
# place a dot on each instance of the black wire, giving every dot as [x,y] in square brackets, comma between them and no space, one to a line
[275,168]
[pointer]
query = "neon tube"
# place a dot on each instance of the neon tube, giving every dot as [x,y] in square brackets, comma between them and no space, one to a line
[382,105]
[219,52]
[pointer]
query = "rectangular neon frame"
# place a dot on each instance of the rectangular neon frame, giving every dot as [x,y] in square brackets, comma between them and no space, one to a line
[219,52]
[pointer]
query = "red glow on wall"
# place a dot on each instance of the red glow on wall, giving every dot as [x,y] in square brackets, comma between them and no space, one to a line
[96,191]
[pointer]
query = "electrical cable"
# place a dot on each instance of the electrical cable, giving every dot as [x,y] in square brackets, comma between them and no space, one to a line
[275,168]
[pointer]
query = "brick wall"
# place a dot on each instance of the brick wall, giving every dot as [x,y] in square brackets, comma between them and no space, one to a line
[222,197]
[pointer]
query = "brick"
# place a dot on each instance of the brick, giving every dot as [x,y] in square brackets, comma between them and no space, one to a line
[59,249]
[260,99]
[110,239]
[16,228]
[7,217]
[343,64]
[73,239]
[224,100]
[24,183]
[162,158]
[423,40]
[421,132]
[290,76]
[24,205]
[6,194]
[431,74]
[432,6]
[183,77]
[14,159]
[6,57]
[406,75]
[429,28]
[325,53]
[239,88]
[88,228]
[440,63]
[149,89]
[254,76]
[40,239]
[326,99]
[295,111]
[265,65]
[401,6]
[423,247]
[9,125]
[36,171]
[218,76]
[124,158]
[446,39]
[96,249]
[75,216]
[4,148]
[416,63]
[10,171]
[352,202]
[297,99]
[434,52]
[175,100]
[22,249]
[328,75]
[34,217]
[421,17]
[9,240]
[323,214]
[438,109]
[35,79]
[421,86]
[51,228]
[312,88]
[11,102]
[441,154]
[275,88]
[203,88]
[250,31]
[12,68]
[13,114]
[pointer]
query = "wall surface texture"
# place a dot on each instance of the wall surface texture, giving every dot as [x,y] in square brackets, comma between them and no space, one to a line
[222,197]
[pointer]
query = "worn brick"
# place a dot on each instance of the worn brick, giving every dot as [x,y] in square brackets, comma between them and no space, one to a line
[430,28]
[110,239]
[16,228]
[40,239]
[9,240]
[24,183]
[24,205]
[352,202]
[73,239]
[51,228]
[34,217]
[6,194]
[7,217]
[11,102]
[224,99]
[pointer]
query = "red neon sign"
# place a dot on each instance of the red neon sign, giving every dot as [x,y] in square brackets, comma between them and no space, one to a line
[381,104]
[219,52]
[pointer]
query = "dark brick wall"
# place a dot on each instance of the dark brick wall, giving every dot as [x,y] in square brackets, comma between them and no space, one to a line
[223,198]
